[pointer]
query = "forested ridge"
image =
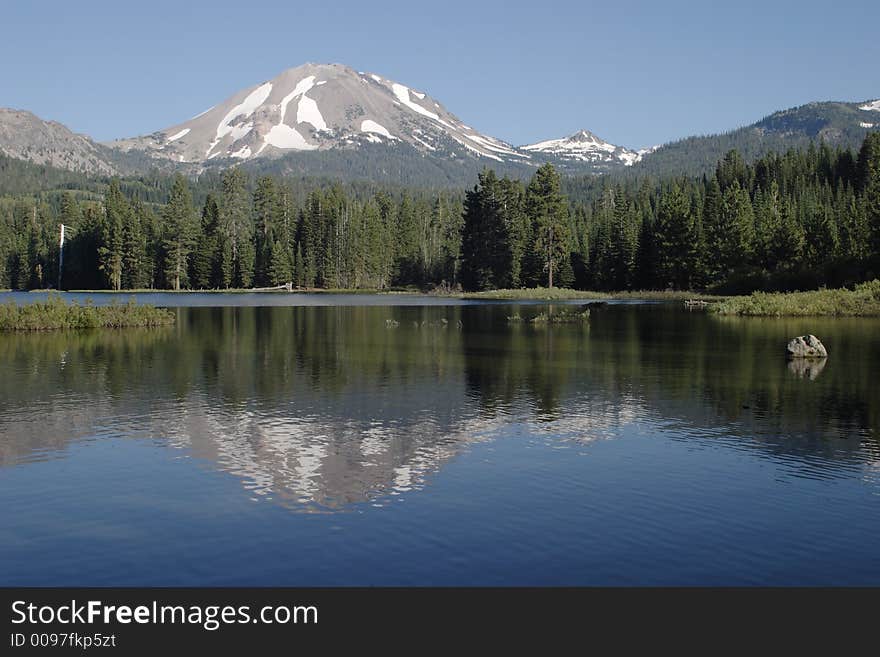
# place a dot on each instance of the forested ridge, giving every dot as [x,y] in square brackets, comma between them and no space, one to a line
[801,219]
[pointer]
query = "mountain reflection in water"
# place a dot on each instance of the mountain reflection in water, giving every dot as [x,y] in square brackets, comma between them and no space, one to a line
[320,408]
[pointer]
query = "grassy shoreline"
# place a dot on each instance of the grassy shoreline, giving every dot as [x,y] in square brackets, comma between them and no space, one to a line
[241,291]
[535,293]
[54,314]
[863,301]
[561,293]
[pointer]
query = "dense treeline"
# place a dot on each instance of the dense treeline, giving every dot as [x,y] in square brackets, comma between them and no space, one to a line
[244,234]
[802,219]
[799,220]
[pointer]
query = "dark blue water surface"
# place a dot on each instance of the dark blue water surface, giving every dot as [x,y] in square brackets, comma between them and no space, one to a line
[374,442]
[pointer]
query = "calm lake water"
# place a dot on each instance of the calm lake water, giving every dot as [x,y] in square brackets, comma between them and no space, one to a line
[375,440]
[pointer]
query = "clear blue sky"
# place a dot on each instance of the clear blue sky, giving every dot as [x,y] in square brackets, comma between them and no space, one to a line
[635,73]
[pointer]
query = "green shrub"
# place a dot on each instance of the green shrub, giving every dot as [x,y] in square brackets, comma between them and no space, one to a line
[864,300]
[55,313]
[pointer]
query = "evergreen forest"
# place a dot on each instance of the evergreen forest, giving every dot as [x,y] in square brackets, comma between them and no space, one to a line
[802,219]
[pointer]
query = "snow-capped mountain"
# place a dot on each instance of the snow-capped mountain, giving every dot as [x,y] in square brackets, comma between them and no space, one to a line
[584,146]
[332,121]
[319,107]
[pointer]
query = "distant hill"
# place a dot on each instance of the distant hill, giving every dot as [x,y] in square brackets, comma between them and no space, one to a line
[25,136]
[838,124]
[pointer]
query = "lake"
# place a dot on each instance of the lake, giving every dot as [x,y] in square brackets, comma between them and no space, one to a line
[396,440]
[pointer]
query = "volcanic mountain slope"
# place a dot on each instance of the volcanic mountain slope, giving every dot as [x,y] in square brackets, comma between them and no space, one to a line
[319,107]
[25,136]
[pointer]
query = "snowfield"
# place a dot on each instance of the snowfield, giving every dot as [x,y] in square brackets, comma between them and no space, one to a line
[307,112]
[240,130]
[371,126]
[178,135]
[285,137]
[402,93]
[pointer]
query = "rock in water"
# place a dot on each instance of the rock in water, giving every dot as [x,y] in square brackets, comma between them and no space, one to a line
[806,346]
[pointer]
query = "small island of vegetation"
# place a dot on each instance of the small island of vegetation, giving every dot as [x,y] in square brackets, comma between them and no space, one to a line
[561,316]
[863,300]
[55,314]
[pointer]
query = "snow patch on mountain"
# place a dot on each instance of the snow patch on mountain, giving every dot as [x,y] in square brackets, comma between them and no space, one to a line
[494,145]
[477,150]
[247,107]
[402,93]
[303,86]
[424,143]
[873,106]
[178,135]
[240,130]
[243,153]
[203,113]
[307,112]
[284,137]
[369,125]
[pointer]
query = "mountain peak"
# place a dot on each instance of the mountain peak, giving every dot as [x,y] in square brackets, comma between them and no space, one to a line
[584,146]
[584,135]
[319,107]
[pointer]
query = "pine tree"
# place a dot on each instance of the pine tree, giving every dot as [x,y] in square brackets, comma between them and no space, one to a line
[205,264]
[279,265]
[236,228]
[869,184]
[134,248]
[855,232]
[713,228]
[299,274]
[548,211]
[495,234]
[117,213]
[733,243]
[675,237]
[732,169]
[179,231]
[267,212]
[622,243]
